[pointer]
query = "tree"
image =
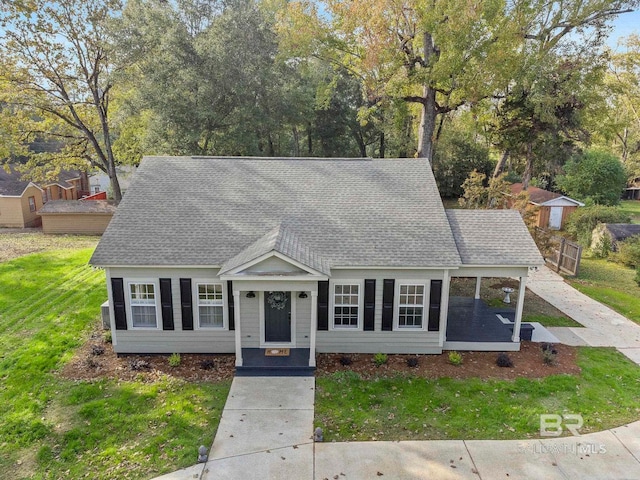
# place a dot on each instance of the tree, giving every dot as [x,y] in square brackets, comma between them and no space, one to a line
[597,175]
[455,159]
[482,194]
[63,72]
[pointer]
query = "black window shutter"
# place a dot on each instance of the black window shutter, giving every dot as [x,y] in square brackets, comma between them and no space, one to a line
[323,305]
[434,305]
[369,304]
[166,304]
[119,310]
[186,303]
[388,287]
[232,308]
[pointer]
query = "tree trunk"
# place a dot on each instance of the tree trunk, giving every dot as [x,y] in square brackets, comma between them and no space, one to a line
[115,184]
[382,145]
[528,169]
[429,107]
[501,163]
[296,142]
[309,140]
[427,124]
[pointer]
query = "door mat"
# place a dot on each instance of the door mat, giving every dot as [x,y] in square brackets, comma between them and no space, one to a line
[276,352]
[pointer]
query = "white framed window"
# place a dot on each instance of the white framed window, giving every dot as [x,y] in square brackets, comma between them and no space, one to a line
[210,303]
[411,305]
[143,301]
[32,204]
[346,304]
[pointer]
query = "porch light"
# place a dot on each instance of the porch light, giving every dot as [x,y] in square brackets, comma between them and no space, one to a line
[302,295]
[251,295]
[507,292]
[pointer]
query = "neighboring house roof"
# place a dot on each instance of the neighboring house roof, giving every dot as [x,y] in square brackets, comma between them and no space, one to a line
[539,196]
[283,241]
[493,237]
[78,206]
[620,231]
[351,212]
[11,183]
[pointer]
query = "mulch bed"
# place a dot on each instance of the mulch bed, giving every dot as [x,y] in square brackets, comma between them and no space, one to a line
[89,364]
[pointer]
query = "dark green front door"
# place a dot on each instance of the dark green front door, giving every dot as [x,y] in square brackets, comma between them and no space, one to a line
[277,317]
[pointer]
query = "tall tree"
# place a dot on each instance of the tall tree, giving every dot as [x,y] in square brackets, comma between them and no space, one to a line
[63,73]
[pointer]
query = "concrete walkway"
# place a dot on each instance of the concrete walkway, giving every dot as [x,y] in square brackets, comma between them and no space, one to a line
[603,327]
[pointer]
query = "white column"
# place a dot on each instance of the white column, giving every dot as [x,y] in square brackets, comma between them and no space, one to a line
[236,318]
[519,306]
[314,328]
[444,307]
[478,281]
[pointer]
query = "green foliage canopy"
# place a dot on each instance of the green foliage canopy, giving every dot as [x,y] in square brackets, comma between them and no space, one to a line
[596,175]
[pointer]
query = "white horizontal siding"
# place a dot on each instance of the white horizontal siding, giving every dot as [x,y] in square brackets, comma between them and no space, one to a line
[303,321]
[250,321]
[196,341]
[377,342]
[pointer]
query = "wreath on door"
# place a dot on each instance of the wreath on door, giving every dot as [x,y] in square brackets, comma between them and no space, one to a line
[277,300]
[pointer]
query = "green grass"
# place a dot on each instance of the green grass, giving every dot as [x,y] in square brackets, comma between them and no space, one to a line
[609,283]
[551,321]
[632,208]
[55,428]
[409,408]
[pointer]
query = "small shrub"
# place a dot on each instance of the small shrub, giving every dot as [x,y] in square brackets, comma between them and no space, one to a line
[628,253]
[93,363]
[174,360]
[207,364]
[97,350]
[345,360]
[637,276]
[137,365]
[107,337]
[601,248]
[504,361]
[413,362]
[549,354]
[380,359]
[455,358]
[581,222]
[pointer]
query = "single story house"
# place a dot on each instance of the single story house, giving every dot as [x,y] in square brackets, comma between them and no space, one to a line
[81,217]
[19,200]
[614,233]
[553,208]
[311,255]
[632,190]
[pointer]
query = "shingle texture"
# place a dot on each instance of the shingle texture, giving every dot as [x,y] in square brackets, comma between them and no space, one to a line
[345,212]
[281,240]
[621,231]
[493,237]
[78,206]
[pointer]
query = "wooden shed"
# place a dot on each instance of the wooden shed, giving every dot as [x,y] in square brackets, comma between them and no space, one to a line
[84,217]
[553,208]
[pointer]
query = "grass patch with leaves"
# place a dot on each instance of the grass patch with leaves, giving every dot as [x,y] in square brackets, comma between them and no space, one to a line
[609,283]
[631,208]
[56,428]
[411,408]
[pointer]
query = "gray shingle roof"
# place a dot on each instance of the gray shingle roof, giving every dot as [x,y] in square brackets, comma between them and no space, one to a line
[282,240]
[493,237]
[621,231]
[78,206]
[351,212]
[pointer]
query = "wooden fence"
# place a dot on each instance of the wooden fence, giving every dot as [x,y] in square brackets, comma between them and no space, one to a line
[561,254]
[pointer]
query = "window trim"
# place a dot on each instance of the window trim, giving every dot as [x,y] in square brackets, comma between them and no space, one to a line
[332,298]
[425,284]
[196,304]
[156,290]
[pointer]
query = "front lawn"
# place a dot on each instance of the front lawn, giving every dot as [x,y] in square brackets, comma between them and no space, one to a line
[609,283]
[56,428]
[411,408]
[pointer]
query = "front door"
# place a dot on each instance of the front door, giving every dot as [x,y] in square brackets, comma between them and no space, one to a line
[277,317]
